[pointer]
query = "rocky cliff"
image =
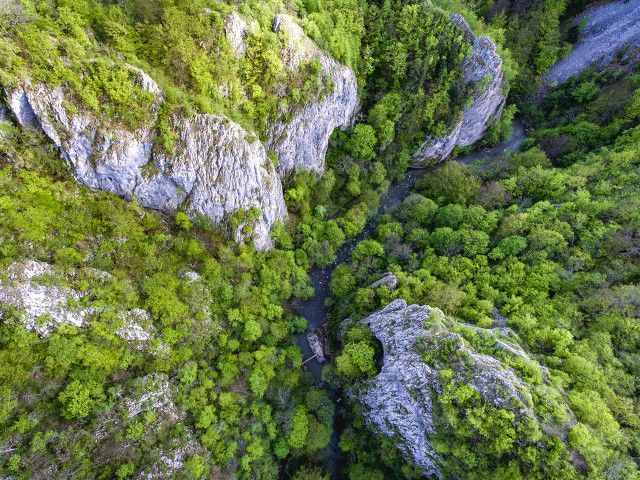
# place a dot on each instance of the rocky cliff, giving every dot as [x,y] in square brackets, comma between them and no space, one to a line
[604,30]
[216,169]
[301,141]
[42,306]
[482,73]
[402,400]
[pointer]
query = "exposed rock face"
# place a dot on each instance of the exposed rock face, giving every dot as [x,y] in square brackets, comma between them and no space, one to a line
[399,402]
[156,395]
[301,142]
[217,168]
[236,29]
[132,329]
[482,70]
[388,280]
[44,307]
[604,30]
[149,394]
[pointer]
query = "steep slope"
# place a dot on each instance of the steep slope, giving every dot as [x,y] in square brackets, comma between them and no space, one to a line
[177,148]
[483,75]
[604,31]
[426,357]
[301,141]
[215,170]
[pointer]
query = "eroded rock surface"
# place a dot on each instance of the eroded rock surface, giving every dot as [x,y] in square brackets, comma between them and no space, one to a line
[482,72]
[42,307]
[216,169]
[301,142]
[388,280]
[400,402]
[31,287]
[604,30]
[235,30]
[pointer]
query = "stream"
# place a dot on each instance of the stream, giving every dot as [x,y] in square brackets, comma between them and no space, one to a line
[314,310]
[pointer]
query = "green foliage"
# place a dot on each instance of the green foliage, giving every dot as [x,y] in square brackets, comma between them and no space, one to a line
[90,48]
[299,428]
[363,141]
[451,183]
[223,339]
[555,260]
[79,399]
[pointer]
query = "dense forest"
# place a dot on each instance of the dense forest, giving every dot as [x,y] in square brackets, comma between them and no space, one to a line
[545,238]
[179,359]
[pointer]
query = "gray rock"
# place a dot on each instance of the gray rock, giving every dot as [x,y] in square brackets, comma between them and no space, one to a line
[217,168]
[133,328]
[155,394]
[388,280]
[301,142]
[316,346]
[191,276]
[43,307]
[398,402]
[606,29]
[482,70]
[236,28]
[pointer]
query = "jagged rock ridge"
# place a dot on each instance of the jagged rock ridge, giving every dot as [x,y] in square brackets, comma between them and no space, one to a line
[400,402]
[216,169]
[482,70]
[301,142]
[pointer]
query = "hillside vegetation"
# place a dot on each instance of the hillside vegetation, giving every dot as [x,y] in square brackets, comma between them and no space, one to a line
[135,344]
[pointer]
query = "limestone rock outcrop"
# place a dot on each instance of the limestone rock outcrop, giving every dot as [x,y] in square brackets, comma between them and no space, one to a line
[482,72]
[43,306]
[301,141]
[604,30]
[401,401]
[236,28]
[217,168]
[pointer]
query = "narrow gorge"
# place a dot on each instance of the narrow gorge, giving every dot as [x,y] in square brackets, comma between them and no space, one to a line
[347,239]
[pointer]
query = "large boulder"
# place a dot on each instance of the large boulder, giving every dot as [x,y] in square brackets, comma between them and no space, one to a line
[482,73]
[401,402]
[215,170]
[302,139]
